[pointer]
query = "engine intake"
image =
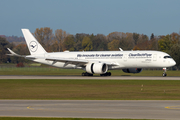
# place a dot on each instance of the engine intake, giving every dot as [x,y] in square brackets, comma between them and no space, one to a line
[98,68]
[132,70]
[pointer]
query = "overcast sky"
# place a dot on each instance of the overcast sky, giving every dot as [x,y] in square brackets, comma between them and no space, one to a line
[160,17]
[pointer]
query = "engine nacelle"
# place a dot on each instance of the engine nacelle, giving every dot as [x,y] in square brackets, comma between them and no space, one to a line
[132,70]
[98,68]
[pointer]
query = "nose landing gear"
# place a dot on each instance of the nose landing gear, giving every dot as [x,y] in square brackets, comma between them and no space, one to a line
[164,72]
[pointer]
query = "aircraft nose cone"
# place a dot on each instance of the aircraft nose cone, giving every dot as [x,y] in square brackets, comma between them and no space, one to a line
[173,62]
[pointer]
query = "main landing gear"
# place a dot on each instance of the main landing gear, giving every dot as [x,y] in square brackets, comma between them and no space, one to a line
[106,74]
[164,72]
[88,74]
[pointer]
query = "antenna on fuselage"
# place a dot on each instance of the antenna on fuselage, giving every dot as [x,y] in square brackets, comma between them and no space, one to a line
[120,49]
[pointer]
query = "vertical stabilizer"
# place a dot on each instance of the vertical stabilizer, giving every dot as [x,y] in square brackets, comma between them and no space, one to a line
[33,45]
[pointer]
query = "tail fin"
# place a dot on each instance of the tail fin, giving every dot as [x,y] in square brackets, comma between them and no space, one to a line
[33,45]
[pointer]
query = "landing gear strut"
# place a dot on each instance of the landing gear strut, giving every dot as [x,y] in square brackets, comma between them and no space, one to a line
[106,74]
[86,74]
[164,73]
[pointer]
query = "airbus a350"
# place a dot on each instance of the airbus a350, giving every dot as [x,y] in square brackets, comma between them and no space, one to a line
[96,62]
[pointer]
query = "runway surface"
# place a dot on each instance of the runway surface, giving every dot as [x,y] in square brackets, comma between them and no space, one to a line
[90,77]
[135,109]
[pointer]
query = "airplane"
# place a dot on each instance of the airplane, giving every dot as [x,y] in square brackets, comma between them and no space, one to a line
[96,62]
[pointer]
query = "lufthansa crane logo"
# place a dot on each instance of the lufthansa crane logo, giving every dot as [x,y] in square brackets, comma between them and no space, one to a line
[33,46]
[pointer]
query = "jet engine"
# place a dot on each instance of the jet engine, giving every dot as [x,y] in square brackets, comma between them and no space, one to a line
[132,70]
[98,68]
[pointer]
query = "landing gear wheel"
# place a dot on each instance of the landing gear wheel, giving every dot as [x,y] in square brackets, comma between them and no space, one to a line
[164,74]
[106,74]
[102,74]
[83,74]
[86,74]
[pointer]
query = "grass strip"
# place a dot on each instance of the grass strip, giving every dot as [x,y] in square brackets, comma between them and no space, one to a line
[90,89]
[58,71]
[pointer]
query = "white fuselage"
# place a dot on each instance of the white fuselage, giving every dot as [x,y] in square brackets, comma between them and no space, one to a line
[122,59]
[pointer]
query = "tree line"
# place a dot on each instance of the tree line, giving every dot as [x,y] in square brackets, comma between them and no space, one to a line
[60,40]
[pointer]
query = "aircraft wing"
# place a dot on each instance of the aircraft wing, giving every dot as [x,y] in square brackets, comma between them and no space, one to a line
[78,61]
[68,60]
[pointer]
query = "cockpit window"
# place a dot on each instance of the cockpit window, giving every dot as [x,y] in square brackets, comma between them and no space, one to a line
[167,57]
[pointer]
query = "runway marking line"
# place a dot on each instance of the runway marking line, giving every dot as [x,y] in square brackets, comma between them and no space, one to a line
[30,107]
[173,107]
[71,111]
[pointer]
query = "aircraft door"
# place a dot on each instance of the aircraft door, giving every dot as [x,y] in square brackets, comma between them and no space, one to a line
[125,57]
[154,57]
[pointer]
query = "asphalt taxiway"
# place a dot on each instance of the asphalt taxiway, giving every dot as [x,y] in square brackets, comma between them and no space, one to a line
[135,109]
[90,77]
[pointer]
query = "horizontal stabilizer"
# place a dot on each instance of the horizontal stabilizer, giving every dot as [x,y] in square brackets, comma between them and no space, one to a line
[14,54]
